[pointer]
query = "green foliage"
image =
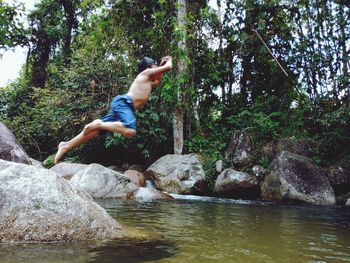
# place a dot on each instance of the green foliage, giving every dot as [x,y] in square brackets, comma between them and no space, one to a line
[233,82]
[263,126]
[210,150]
[50,161]
[332,139]
[12,30]
[39,117]
[264,162]
[264,119]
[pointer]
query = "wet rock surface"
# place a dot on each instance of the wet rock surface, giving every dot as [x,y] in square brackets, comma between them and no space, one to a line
[37,205]
[231,183]
[176,173]
[101,182]
[296,178]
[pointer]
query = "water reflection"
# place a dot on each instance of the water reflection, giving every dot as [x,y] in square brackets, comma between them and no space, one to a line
[54,252]
[122,251]
[133,251]
[208,230]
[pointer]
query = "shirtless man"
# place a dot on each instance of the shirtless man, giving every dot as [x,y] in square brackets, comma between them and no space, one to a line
[121,118]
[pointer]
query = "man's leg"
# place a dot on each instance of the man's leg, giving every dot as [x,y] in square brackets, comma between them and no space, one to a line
[90,131]
[115,126]
[65,147]
[92,127]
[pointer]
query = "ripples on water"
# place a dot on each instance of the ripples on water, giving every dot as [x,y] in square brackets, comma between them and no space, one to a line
[201,229]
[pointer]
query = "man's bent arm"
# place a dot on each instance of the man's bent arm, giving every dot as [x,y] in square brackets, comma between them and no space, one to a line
[161,69]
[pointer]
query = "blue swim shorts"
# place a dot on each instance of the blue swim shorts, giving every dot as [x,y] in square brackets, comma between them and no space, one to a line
[122,110]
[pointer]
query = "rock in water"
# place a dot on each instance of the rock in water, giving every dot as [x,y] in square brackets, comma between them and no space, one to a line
[231,183]
[101,182]
[175,173]
[296,178]
[150,194]
[136,177]
[37,205]
[10,148]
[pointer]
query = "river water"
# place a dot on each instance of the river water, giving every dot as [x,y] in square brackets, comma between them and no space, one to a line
[200,229]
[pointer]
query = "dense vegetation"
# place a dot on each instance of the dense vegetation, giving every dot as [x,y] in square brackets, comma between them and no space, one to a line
[84,52]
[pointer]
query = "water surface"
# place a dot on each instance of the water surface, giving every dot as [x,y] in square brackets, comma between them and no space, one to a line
[199,229]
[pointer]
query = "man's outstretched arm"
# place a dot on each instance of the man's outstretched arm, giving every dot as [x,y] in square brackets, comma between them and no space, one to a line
[166,65]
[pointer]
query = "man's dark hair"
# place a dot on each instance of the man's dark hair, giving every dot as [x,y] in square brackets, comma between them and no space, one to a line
[145,63]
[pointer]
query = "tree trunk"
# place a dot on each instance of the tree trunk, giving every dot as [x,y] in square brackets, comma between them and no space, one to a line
[221,50]
[42,55]
[71,22]
[182,67]
[344,86]
[312,51]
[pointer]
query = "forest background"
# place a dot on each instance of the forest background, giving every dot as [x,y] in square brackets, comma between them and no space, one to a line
[273,69]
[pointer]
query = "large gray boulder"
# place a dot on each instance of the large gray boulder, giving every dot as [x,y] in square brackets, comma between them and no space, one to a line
[235,184]
[101,182]
[37,205]
[10,148]
[175,173]
[68,170]
[296,178]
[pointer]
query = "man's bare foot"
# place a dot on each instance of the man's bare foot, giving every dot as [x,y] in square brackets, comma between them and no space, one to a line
[62,150]
[92,127]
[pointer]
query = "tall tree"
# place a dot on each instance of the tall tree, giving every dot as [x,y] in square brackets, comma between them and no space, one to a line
[182,70]
[52,24]
[45,21]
